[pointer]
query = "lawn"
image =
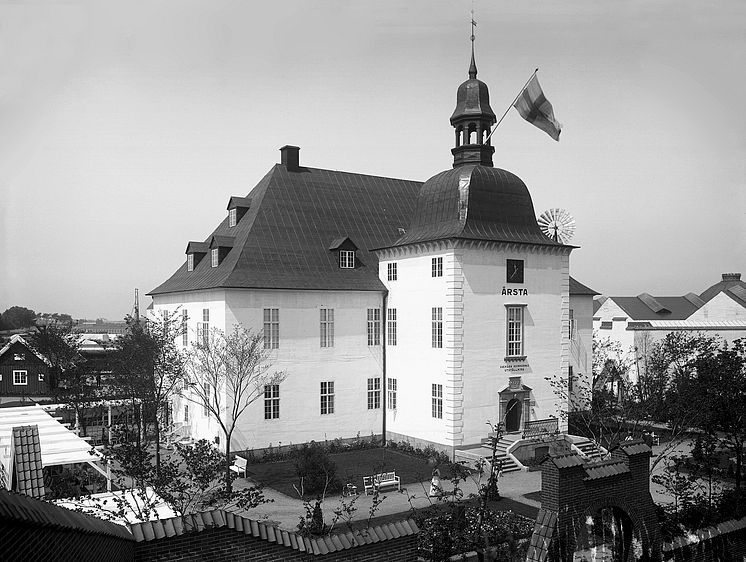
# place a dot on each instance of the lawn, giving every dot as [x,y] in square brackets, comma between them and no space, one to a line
[351,467]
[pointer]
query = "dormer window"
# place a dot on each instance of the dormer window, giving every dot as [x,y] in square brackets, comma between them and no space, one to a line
[195,252]
[220,247]
[347,259]
[347,250]
[237,207]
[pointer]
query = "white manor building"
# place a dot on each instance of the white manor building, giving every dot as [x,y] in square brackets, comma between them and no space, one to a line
[420,311]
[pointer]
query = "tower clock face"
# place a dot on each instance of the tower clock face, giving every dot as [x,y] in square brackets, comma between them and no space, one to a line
[514,271]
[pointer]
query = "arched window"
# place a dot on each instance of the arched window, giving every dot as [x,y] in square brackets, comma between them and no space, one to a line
[459,132]
[472,133]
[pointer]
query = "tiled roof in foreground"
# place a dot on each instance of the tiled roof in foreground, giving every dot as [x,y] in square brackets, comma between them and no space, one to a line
[36,513]
[282,242]
[152,530]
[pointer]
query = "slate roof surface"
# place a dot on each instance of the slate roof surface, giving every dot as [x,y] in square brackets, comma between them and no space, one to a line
[34,512]
[152,530]
[27,461]
[566,460]
[680,308]
[282,241]
[577,288]
[731,285]
[475,202]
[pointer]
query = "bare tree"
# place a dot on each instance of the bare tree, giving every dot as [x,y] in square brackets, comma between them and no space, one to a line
[225,374]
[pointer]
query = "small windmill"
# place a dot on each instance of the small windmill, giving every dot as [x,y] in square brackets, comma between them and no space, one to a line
[557,224]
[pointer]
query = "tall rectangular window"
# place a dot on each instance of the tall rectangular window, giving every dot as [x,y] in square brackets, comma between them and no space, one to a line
[374,393]
[347,259]
[515,331]
[437,401]
[572,323]
[392,271]
[327,397]
[205,326]
[186,413]
[214,257]
[391,398]
[20,378]
[374,326]
[271,328]
[232,218]
[205,410]
[437,327]
[391,326]
[190,262]
[437,267]
[184,327]
[271,401]
[326,327]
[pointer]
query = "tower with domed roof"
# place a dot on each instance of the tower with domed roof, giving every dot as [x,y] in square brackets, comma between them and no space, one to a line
[479,296]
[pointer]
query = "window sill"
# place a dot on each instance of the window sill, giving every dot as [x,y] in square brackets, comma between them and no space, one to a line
[516,358]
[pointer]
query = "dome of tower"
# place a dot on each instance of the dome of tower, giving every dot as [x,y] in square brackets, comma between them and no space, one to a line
[472,97]
[476,203]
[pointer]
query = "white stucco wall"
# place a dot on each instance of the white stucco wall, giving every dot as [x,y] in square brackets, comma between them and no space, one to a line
[720,307]
[471,366]
[349,363]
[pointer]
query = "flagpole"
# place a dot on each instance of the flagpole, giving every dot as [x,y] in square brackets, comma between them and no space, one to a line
[511,105]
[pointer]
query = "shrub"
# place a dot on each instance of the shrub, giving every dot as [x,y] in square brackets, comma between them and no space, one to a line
[315,469]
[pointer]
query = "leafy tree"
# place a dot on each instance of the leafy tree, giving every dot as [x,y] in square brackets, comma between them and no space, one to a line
[147,368]
[69,372]
[718,387]
[225,374]
[18,317]
[316,470]
[189,481]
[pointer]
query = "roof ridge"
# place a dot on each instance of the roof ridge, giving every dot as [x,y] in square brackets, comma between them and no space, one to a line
[221,517]
[356,174]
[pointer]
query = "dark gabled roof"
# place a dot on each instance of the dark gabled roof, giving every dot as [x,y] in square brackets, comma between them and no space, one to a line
[670,308]
[342,242]
[633,447]
[577,288]
[36,513]
[197,248]
[474,202]
[731,285]
[222,242]
[243,202]
[283,239]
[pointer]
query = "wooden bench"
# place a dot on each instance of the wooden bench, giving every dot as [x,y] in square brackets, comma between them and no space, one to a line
[382,480]
[239,466]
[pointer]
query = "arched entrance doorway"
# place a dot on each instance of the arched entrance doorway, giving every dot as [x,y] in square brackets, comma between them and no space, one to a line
[515,405]
[513,416]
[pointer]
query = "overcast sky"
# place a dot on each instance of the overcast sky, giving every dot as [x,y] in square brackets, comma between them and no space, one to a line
[126,126]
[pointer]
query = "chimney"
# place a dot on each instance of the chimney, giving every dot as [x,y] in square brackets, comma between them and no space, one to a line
[731,276]
[289,158]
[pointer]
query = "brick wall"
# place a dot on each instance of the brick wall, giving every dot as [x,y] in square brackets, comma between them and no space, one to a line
[226,544]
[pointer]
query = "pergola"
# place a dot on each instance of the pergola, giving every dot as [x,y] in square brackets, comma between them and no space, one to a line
[59,445]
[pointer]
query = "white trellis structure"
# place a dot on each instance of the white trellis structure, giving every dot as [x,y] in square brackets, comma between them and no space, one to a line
[59,445]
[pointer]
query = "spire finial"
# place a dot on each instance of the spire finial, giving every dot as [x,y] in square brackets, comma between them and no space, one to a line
[473,66]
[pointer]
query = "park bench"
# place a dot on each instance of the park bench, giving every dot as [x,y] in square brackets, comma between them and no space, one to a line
[239,466]
[382,480]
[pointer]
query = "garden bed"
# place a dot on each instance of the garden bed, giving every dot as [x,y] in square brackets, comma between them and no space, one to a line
[351,467]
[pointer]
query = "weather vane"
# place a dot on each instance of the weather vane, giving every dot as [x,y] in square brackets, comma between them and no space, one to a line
[473,22]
